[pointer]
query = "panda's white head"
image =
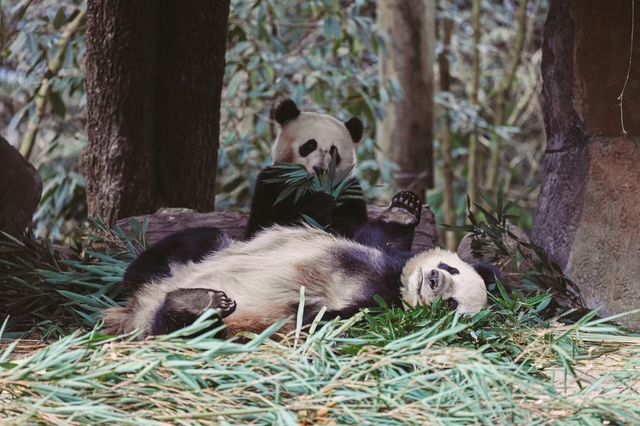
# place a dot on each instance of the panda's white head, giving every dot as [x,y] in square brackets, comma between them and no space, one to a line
[310,139]
[441,274]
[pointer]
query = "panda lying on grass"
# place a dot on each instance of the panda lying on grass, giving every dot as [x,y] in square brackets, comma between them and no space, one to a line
[256,283]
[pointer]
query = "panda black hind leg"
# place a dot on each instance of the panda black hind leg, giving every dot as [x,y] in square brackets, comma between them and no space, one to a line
[182,307]
[394,229]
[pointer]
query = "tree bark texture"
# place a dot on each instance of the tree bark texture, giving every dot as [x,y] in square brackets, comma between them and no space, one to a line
[588,216]
[405,134]
[154,78]
[234,223]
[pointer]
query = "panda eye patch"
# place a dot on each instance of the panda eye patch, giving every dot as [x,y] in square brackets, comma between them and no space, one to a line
[333,151]
[308,147]
[449,269]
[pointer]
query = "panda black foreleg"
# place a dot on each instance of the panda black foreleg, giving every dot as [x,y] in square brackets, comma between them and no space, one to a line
[265,211]
[394,229]
[188,245]
[182,307]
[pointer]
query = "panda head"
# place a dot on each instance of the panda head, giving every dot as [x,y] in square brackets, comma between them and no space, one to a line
[441,274]
[310,139]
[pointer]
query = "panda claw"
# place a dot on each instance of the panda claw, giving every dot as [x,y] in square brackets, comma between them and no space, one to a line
[221,302]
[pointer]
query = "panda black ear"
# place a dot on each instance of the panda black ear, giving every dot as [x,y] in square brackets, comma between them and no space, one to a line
[489,273]
[355,128]
[285,111]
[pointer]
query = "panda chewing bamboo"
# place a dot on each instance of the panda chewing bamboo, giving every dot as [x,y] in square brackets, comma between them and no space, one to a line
[309,139]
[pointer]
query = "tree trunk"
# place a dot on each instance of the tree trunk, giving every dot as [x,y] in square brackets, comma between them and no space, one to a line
[405,134]
[588,216]
[154,77]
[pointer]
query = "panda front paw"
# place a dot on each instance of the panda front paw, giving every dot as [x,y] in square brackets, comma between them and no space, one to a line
[227,306]
[405,209]
[219,301]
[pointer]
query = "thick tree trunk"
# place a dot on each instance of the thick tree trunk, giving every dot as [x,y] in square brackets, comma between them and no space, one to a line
[192,44]
[588,217]
[405,134]
[154,77]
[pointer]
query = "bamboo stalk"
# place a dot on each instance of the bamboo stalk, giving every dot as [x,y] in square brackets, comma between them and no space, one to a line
[445,137]
[472,172]
[54,66]
[494,160]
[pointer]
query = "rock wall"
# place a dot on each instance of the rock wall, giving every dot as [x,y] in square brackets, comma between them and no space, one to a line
[588,216]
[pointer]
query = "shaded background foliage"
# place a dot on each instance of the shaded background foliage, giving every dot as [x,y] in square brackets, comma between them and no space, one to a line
[322,53]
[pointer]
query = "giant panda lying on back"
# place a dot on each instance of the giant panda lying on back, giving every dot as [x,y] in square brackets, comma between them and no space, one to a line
[310,140]
[256,283]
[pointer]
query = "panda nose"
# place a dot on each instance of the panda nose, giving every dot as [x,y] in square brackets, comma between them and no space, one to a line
[319,170]
[433,278]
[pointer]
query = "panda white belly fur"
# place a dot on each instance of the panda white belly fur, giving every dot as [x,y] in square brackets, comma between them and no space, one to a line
[264,277]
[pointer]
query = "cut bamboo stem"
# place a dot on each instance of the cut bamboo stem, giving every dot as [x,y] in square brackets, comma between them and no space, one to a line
[445,137]
[493,170]
[472,168]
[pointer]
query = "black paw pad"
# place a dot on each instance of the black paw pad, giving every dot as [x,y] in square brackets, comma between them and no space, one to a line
[408,201]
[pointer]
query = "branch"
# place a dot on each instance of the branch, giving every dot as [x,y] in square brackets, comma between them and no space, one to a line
[42,94]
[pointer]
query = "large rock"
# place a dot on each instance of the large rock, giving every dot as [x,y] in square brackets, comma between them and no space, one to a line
[20,190]
[588,216]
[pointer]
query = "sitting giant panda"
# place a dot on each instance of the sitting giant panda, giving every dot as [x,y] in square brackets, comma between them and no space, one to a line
[256,283]
[309,139]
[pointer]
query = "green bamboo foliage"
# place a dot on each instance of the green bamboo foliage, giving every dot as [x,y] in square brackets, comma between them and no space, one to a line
[48,293]
[298,182]
[451,371]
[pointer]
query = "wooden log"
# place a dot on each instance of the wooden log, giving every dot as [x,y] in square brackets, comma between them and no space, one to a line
[168,221]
